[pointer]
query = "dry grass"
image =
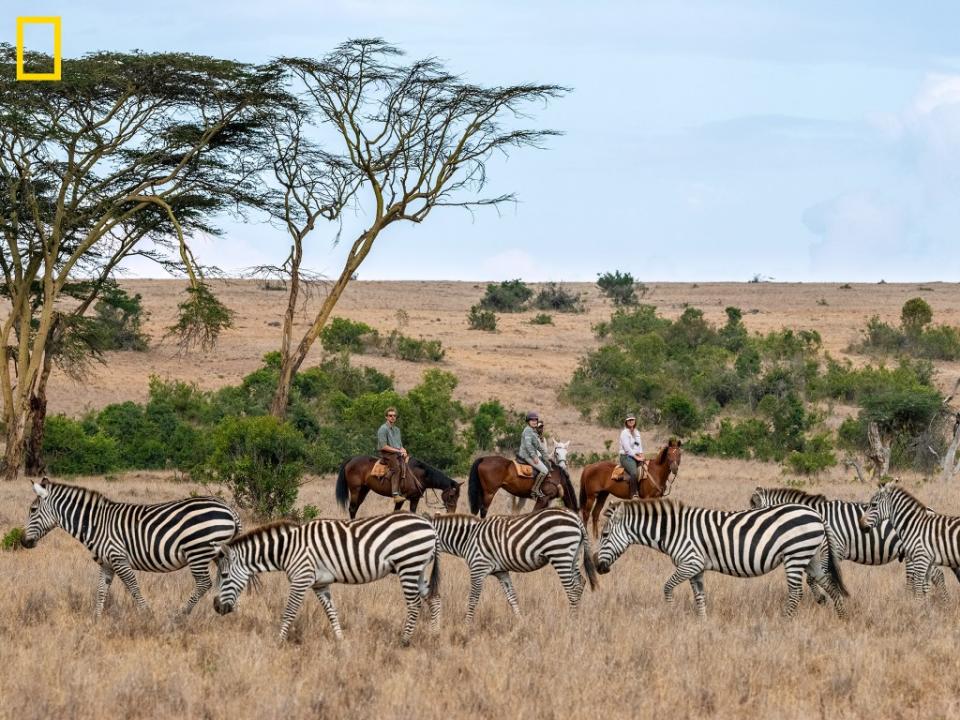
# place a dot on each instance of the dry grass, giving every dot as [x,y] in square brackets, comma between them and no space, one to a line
[626,655]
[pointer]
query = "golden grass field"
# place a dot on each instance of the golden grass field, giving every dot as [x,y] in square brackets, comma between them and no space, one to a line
[627,654]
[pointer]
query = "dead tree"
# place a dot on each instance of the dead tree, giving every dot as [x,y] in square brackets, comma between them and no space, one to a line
[879,454]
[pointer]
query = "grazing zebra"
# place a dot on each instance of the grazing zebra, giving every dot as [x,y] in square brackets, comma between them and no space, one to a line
[744,544]
[319,553]
[500,544]
[876,546]
[124,537]
[929,539]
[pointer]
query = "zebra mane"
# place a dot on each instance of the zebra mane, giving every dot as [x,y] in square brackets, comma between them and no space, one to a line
[454,516]
[276,524]
[95,493]
[901,491]
[797,495]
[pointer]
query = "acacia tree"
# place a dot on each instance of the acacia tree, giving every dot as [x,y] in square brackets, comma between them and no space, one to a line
[409,138]
[126,149]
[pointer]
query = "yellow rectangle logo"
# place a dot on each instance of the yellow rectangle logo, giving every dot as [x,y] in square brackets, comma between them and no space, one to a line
[23,21]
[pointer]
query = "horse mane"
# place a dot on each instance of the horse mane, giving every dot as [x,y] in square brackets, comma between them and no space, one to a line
[444,481]
[276,524]
[662,455]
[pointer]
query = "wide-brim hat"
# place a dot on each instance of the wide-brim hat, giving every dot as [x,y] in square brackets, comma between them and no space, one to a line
[630,416]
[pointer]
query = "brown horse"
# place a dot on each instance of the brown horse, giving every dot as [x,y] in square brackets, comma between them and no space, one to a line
[596,482]
[354,481]
[493,472]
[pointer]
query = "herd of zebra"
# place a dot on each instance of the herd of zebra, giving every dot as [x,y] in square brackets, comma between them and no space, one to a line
[807,534]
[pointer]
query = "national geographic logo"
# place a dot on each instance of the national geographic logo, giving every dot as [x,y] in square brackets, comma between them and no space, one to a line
[38,76]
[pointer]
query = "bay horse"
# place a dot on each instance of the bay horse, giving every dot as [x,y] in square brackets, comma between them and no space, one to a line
[354,481]
[492,472]
[597,483]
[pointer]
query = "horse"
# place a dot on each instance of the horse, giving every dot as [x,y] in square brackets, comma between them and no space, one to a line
[354,481]
[492,472]
[559,456]
[596,481]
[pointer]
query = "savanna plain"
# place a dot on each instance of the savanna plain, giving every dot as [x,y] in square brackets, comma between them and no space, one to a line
[626,654]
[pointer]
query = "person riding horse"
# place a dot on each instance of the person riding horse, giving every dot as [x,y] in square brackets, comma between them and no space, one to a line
[392,451]
[532,452]
[631,453]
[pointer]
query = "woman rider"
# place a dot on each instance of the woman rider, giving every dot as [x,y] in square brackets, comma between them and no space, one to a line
[631,453]
[531,452]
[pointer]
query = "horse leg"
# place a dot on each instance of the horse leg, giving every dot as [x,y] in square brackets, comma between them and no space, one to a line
[597,510]
[398,504]
[487,499]
[518,503]
[585,510]
[414,502]
[357,500]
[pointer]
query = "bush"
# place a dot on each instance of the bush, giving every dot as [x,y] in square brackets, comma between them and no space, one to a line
[495,428]
[940,342]
[508,296]
[553,297]
[119,317]
[480,319]
[12,540]
[621,288]
[816,456]
[406,348]
[915,315]
[542,319]
[680,414]
[262,460]
[341,334]
[915,336]
[71,447]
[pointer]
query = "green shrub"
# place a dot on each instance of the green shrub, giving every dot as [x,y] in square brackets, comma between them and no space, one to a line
[680,414]
[939,342]
[119,317]
[72,447]
[261,460]
[495,428]
[621,288]
[480,319]
[341,334]
[12,540]
[915,315]
[817,455]
[553,297]
[407,348]
[542,319]
[508,296]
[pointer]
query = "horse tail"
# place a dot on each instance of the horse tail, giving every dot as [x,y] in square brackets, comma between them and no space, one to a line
[588,565]
[834,554]
[568,491]
[474,491]
[583,489]
[342,491]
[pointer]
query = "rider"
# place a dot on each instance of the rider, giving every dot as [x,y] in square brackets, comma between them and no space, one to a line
[392,451]
[631,452]
[543,443]
[531,452]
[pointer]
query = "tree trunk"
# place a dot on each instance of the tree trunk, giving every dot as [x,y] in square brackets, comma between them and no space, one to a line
[851,462]
[879,455]
[950,464]
[13,454]
[34,465]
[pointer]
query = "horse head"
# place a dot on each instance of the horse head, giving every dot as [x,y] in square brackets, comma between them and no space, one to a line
[560,453]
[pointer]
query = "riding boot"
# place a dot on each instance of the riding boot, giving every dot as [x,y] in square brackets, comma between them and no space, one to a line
[395,483]
[634,487]
[537,484]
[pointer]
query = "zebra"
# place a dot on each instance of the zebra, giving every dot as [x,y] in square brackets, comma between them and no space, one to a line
[929,538]
[745,544]
[317,554]
[124,537]
[876,546]
[500,544]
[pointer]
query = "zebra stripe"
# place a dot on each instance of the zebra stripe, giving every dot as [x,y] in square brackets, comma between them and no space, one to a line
[744,544]
[124,537]
[317,554]
[929,538]
[874,546]
[500,544]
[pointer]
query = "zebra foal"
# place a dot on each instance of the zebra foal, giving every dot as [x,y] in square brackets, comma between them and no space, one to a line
[500,544]
[877,545]
[744,544]
[317,554]
[929,539]
[124,537]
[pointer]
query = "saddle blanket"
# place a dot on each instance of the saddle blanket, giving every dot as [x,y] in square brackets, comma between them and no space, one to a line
[379,469]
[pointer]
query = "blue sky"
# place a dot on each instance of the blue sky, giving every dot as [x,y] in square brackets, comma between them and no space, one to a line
[703,140]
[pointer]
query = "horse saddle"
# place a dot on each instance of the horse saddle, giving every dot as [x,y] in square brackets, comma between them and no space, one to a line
[618,473]
[523,470]
[380,469]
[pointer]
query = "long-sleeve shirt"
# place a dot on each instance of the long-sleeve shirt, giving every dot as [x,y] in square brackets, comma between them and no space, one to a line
[530,445]
[630,442]
[388,435]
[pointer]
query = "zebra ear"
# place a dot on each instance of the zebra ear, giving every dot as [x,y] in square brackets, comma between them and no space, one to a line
[40,490]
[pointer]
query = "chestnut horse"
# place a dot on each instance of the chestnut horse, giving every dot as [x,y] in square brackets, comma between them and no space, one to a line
[492,472]
[354,482]
[596,482]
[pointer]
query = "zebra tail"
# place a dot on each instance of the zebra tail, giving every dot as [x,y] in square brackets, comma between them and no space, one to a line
[834,555]
[588,565]
[474,491]
[342,492]
[433,589]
